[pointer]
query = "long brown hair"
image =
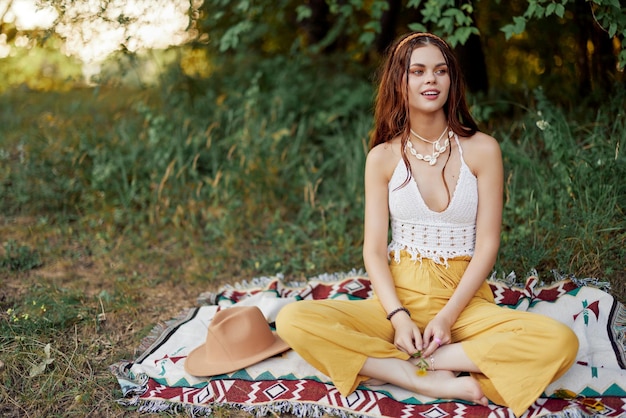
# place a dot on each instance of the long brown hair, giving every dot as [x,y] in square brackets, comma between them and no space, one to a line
[391,117]
[392,103]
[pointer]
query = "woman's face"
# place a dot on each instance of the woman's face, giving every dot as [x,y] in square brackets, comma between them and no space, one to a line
[429,80]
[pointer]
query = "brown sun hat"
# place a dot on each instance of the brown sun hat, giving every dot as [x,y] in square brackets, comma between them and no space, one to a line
[237,338]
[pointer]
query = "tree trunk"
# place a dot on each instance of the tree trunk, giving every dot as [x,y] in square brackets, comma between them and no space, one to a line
[317,26]
[596,70]
[472,60]
[388,24]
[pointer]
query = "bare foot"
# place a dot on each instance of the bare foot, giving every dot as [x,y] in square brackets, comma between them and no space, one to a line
[444,384]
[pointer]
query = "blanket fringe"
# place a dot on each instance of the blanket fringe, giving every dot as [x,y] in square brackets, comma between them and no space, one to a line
[158,406]
[300,410]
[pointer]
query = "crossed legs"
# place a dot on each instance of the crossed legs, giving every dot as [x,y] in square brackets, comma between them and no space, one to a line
[441,383]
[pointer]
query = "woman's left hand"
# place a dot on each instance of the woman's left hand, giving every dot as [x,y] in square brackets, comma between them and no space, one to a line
[436,334]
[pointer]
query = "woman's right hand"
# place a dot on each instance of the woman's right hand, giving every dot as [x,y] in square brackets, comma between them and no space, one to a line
[408,337]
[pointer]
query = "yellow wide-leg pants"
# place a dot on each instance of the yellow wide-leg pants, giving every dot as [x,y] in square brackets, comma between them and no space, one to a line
[518,353]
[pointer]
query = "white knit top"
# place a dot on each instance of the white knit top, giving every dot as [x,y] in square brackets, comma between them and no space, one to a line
[423,232]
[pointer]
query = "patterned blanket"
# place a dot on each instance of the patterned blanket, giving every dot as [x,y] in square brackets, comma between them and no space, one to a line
[157,381]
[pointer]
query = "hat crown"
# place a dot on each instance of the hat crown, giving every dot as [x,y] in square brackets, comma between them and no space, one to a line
[238,332]
[236,338]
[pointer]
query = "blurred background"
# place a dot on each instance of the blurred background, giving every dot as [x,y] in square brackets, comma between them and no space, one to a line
[238,129]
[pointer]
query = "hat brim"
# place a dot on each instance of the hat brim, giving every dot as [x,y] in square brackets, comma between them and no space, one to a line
[197,363]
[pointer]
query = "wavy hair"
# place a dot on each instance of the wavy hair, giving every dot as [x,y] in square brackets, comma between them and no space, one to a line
[391,116]
[392,103]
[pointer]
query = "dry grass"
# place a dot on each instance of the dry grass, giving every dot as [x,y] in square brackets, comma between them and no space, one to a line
[107,329]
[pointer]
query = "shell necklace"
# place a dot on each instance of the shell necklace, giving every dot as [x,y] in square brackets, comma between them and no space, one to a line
[438,149]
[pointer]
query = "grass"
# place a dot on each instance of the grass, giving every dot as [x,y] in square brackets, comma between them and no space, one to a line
[119,208]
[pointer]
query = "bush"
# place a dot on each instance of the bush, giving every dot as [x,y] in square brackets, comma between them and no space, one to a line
[260,169]
[564,208]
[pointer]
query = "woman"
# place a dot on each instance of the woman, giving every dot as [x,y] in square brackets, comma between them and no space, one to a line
[437,181]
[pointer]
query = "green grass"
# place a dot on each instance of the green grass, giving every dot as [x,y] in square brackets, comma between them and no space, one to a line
[120,207]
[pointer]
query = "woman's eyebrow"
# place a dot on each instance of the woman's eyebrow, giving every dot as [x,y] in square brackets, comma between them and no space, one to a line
[417,64]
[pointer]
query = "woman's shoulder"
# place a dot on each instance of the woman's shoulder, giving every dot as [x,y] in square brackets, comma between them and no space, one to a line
[480,149]
[480,140]
[480,143]
[385,153]
[384,157]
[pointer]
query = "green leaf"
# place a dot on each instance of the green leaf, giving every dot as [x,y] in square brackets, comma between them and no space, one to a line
[530,10]
[367,38]
[345,10]
[467,8]
[373,25]
[622,58]
[518,26]
[446,24]
[378,7]
[417,27]
[303,12]
[230,40]
[243,5]
[540,11]
[463,33]
[560,10]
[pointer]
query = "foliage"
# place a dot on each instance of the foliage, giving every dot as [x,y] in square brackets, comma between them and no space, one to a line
[525,45]
[609,14]
[564,208]
[19,257]
[267,174]
[44,312]
[452,21]
[53,346]
[189,167]
[509,48]
[44,68]
[241,23]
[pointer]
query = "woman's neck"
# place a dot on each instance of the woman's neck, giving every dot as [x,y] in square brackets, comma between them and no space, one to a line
[429,126]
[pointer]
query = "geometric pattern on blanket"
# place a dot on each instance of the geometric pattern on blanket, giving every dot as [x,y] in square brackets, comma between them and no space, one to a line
[156,380]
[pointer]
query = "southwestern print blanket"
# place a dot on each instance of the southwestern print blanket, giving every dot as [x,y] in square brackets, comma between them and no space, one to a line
[156,380]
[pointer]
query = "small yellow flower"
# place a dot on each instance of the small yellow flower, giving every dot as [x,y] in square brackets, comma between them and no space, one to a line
[422,364]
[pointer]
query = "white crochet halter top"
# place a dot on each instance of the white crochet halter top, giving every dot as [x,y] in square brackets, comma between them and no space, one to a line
[424,233]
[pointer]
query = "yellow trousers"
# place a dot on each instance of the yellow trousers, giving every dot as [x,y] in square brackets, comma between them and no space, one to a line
[518,353]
